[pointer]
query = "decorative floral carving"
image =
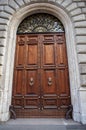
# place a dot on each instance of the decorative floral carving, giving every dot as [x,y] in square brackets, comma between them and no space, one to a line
[40,22]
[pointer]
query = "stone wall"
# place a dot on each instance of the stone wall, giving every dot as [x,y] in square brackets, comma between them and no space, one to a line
[76,10]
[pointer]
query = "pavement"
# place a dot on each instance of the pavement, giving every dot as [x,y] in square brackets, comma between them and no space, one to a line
[41,124]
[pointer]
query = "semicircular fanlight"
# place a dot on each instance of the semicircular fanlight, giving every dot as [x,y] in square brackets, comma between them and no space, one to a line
[40,22]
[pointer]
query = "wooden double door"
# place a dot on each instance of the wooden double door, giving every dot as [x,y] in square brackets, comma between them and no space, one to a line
[41,81]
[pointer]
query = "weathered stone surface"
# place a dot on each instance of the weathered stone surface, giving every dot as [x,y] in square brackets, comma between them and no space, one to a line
[66,3]
[1,60]
[75,11]
[5,15]
[79,17]
[83,105]
[59,1]
[3,2]
[1,73]
[81,4]
[80,24]
[2,51]
[81,39]
[26,1]
[50,1]
[83,80]
[4,21]
[71,6]
[78,0]
[84,10]
[82,68]
[82,58]
[3,34]
[20,2]
[81,48]
[2,42]
[81,31]
[1,8]
[3,27]
[13,4]
[9,9]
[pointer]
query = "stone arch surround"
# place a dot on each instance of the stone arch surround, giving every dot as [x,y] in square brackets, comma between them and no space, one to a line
[13,13]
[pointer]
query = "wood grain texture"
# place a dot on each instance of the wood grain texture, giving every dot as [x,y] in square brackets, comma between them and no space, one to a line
[41,81]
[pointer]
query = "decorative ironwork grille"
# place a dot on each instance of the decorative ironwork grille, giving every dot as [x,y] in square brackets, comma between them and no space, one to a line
[40,22]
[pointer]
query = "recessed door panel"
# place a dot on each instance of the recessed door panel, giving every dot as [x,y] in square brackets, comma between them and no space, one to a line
[32,82]
[48,54]
[49,81]
[63,82]
[61,54]
[30,39]
[50,103]
[31,103]
[17,102]
[18,82]
[32,54]
[20,58]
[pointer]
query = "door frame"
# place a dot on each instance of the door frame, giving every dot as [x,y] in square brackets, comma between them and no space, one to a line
[74,75]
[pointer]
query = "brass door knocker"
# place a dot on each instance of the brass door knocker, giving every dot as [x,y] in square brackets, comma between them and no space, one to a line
[49,81]
[31,83]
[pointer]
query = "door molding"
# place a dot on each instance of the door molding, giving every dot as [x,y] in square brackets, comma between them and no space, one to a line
[60,13]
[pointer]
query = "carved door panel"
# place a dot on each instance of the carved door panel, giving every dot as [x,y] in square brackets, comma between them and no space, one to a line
[41,81]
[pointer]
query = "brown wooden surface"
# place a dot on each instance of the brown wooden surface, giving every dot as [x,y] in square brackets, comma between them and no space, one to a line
[41,80]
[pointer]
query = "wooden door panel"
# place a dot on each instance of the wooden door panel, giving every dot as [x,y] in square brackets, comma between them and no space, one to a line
[21,39]
[32,55]
[60,38]
[31,39]
[48,38]
[31,103]
[49,97]
[49,82]
[50,102]
[20,51]
[17,102]
[61,54]
[48,54]
[32,82]
[63,103]
[18,87]
[18,82]
[63,82]
[20,58]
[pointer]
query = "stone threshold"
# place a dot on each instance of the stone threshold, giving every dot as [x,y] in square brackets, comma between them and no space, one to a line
[41,121]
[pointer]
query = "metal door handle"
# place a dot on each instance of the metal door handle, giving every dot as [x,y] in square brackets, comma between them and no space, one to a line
[49,81]
[31,83]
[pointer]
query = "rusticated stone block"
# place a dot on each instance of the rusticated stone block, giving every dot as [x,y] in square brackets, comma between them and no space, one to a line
[3,2]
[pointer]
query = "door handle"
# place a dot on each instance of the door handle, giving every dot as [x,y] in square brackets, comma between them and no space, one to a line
[31,83]
[49,81]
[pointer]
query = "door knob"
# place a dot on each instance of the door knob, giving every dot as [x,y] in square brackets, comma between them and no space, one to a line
[31,83]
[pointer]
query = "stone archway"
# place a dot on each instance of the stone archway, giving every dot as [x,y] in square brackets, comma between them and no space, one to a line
[70,42]
[41,80]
